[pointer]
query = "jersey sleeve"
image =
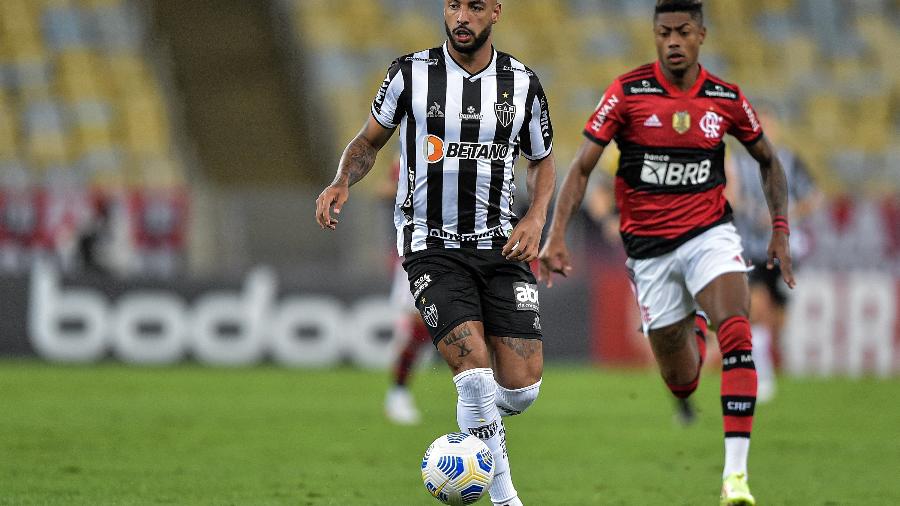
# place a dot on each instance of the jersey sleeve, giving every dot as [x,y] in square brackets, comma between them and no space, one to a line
[536,137]
[745,125]
[386,107]
[609,116]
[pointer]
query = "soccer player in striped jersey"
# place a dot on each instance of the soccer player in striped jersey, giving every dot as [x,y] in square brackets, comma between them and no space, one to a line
[668,119]
[465,113]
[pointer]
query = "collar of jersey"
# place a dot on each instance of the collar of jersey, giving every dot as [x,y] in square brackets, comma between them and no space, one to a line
[451,63]
[674,90]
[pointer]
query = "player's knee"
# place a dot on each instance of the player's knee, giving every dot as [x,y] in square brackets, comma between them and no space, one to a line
[475,384]
[512,402]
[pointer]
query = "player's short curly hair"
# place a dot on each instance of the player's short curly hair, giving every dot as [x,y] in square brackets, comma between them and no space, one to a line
[692,7]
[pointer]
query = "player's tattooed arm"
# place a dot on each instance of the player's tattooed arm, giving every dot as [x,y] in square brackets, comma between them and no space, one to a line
[775,187]
[359,156]
[357,160]
[774,181]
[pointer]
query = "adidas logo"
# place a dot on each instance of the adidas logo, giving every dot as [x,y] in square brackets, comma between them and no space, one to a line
[653,121]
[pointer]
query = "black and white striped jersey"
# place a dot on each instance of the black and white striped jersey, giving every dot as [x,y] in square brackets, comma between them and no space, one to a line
[460,135]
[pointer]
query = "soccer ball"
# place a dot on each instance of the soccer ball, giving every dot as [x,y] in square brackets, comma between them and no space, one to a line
[457,469]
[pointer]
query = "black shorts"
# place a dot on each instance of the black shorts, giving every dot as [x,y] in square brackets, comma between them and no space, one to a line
[771,279]
[454,286]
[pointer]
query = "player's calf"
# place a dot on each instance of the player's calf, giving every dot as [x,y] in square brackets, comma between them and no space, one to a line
[680,354]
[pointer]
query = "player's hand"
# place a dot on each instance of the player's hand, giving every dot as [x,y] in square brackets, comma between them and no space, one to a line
[554,257]
[524,240]
[780,249]
[336,195]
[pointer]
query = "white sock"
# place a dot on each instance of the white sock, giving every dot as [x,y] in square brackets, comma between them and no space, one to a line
[736,451]
[477,414]
[762,353]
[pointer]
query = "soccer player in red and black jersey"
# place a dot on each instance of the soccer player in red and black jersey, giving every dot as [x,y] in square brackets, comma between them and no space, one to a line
[668,119]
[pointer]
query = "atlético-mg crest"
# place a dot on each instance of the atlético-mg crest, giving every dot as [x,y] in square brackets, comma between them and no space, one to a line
[430,315]
[506,113]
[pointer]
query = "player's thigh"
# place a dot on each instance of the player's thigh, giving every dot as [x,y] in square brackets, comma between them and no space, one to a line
[662,297]
[716,274]
[725,297]
[518,361]
[464,347]
[510,303]
[446,293]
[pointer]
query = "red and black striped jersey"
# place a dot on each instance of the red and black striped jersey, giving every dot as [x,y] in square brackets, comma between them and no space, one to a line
[671,174]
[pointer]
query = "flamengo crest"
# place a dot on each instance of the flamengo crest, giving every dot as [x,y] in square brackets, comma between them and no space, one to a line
[506,112]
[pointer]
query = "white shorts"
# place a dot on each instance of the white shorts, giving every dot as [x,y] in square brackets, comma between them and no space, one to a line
[665,286]
[401,297]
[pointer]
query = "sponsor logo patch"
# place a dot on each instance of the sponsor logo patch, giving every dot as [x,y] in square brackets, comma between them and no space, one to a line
[545,118]
[471,114]
[429,61]
[485,431]
[452,236]
[526,296]
[644,87]
[653,122]
[718,91]
[751,115]
[435,150]
[659,170]
[435,111]
[527,72]
[420,285]
[603,109]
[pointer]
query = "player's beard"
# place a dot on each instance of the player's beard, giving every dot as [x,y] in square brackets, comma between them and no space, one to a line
[478,40]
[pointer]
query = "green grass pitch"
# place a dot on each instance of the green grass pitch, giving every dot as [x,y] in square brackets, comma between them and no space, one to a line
[113,434]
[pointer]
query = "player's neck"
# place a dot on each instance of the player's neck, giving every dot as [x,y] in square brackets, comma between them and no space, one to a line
[476,61]
[682,80]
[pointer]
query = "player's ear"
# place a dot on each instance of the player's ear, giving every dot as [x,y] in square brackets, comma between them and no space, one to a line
[495,15]
[702,34]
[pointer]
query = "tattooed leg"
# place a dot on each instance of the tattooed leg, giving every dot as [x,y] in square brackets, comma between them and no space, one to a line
[519,362]
[464,347]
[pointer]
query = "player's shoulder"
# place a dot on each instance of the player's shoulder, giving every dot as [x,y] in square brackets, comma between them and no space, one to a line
[717,88]
[640,82]
[432,57]
[509,63]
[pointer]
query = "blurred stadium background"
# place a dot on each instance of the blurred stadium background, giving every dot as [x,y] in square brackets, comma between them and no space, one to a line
[159,162]
[151,152]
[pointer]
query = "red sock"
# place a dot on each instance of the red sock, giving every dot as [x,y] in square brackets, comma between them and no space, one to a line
[738,377]
[418,336]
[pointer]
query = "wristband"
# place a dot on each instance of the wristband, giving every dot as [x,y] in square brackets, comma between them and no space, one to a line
[780,223]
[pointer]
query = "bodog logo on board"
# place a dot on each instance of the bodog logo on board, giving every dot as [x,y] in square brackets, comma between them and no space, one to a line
[435,150]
